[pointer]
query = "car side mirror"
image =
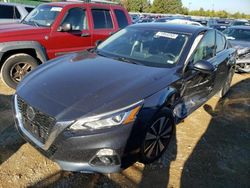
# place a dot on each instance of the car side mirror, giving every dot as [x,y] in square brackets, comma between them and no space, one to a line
[203,66]
[65,27]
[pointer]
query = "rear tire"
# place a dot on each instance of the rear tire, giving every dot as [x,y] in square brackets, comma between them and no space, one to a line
[16,67]
[158,135]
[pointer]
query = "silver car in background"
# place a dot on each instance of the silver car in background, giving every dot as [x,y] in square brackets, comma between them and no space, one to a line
[13,12]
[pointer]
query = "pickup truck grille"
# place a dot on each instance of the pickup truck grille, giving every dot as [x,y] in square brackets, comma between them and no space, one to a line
[37,123]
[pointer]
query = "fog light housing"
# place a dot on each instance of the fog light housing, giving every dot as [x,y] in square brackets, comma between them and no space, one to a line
[105,157]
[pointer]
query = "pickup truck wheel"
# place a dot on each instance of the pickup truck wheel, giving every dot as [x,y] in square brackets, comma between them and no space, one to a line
[16,67]
[158,135]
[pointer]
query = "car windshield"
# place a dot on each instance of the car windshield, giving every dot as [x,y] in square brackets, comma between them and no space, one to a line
[43,15]
[240,23]
[237,34]
[157,48]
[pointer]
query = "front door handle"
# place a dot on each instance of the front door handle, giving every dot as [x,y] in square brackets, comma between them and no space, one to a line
[85,34]
[112,32]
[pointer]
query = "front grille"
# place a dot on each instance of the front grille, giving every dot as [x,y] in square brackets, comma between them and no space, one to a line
[39,125]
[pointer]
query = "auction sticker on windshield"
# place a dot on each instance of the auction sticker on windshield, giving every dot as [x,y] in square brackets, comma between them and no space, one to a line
[57,9]
[166,34]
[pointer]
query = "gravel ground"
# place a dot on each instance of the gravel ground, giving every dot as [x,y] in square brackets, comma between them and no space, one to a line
[210,149]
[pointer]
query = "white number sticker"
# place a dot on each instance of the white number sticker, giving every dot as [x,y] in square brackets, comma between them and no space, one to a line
[57,9]
[165,34]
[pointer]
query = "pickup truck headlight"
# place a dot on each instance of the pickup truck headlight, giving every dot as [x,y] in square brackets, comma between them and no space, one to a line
[118,117]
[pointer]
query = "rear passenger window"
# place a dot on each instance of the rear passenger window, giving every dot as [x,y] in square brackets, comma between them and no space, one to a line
[220,43]
[121,18]
[102,19]
[9,12]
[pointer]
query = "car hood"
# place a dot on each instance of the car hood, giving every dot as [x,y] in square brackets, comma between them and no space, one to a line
[86,84]
[242,47]
[8,30]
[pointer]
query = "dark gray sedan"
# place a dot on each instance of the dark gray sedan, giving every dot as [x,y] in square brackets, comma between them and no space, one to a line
[103,109]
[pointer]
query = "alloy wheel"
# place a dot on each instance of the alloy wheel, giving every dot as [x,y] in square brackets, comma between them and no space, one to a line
[19,70]
[157,138]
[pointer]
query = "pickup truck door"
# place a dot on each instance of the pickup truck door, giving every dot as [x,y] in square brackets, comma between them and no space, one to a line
[103,23]
[76,39]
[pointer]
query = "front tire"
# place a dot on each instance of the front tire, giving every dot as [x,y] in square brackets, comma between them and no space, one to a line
[16,67]
[157,137]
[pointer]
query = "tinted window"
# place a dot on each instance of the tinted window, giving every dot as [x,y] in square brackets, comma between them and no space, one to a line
[102,19]
[77,19]
[220,42]
[205,49]
[6,12]
[121,18]
[17,15]
[9,12]
[28,9]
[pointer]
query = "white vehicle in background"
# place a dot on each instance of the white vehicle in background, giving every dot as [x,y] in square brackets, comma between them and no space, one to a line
[13,12]
[181,21]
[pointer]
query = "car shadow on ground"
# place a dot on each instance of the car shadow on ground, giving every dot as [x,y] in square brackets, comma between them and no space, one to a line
[221,157]
[10,141]
[157,174]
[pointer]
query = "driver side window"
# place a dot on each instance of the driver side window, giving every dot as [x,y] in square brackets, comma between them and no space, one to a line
[205,49]
[77,18]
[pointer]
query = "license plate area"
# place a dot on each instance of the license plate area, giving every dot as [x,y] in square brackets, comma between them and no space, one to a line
[36,130]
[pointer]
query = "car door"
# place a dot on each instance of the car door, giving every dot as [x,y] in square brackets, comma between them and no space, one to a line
[198,86]
[103,23]
[221,63]
[77,38]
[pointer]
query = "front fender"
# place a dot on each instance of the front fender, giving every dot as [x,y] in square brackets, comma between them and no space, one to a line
[154,103]
[18,45]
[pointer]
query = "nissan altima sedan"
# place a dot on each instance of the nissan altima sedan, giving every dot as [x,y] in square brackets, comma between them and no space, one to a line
[102,109]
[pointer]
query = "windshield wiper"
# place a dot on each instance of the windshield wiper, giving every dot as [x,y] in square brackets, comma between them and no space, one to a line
[34,23]
[124,59]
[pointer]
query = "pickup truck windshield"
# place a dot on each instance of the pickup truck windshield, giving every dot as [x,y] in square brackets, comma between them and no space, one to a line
[43,15]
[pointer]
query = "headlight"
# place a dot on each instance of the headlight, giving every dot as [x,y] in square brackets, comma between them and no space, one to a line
[118,117]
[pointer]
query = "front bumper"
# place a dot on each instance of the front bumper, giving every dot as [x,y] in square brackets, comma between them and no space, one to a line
[78,151]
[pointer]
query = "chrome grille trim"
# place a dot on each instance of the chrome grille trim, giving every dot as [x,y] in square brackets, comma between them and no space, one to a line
[54,132]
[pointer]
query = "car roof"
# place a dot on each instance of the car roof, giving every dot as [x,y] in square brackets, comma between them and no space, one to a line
[66,3]
[16,4]
[241,27]
[179,28]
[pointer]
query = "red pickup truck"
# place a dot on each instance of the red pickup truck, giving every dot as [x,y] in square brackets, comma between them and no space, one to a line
[55,29]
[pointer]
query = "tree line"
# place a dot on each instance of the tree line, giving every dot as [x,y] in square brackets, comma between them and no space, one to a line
[175,7]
